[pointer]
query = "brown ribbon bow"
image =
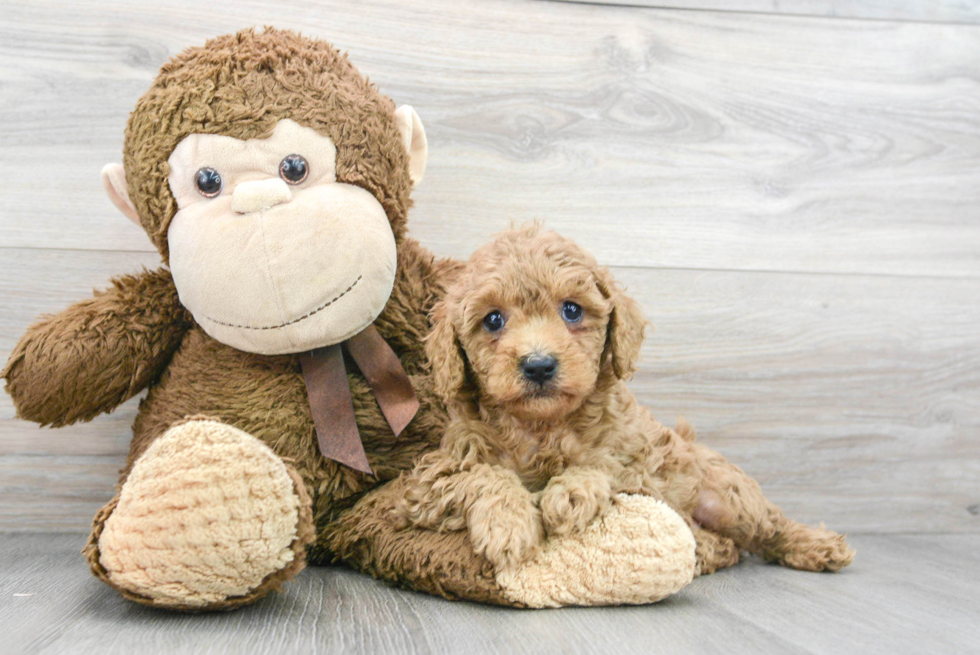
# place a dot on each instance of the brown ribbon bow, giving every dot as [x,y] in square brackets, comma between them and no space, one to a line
[328,391]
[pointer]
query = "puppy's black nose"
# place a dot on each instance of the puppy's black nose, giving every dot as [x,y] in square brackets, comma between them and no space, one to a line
[539,368]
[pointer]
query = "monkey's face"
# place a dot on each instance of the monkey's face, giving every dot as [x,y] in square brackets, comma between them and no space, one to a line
[269,252]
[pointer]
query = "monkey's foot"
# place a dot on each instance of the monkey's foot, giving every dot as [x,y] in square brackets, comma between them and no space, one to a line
[208,518]
[639,551]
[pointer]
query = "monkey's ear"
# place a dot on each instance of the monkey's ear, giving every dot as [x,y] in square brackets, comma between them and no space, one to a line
[413,138]
[445,353]
[114,183]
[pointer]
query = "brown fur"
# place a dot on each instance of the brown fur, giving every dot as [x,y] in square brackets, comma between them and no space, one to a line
[241,85]
[520,460]
[98,353]
[136,335]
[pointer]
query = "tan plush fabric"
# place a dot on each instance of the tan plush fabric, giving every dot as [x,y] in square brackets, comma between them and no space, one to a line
[639,551]
[241,161]
[114,185]
[208,512]
[251,197]
[413,137]
[309,265]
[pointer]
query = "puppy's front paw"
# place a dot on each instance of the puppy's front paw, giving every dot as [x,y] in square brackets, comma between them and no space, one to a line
[571,501]
[425,507]
[400,515]
[506,533]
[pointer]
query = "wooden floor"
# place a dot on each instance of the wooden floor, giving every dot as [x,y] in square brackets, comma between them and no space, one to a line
[904,594]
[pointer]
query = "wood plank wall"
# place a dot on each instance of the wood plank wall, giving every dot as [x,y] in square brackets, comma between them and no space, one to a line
[793,196]
[942,11]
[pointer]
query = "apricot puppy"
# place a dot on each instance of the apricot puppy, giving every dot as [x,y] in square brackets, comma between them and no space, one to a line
[530,349]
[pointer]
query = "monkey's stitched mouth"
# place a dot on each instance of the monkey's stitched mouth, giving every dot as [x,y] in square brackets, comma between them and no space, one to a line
[295,320]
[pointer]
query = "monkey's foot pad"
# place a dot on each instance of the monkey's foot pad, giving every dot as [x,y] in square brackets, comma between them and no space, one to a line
[208,518]
[639,551]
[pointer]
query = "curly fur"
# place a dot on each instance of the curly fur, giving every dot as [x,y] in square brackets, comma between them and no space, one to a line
[520,460]
[241,85]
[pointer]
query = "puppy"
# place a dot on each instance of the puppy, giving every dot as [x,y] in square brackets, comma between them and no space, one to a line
[530,349]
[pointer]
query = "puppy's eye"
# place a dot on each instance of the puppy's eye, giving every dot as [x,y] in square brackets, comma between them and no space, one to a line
[571,312]
[293,169]
[208,182]
[494,321]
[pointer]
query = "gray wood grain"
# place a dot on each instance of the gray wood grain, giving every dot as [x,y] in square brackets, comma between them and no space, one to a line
[904,594]
[946,11]
[684,139]
[854,400]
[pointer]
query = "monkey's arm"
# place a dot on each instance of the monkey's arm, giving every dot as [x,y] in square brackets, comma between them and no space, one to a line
[421,282]
[96,354]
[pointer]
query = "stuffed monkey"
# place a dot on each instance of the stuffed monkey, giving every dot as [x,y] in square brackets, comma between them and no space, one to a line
[280,345]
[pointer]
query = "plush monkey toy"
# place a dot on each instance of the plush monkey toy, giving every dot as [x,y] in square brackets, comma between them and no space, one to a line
[275,180]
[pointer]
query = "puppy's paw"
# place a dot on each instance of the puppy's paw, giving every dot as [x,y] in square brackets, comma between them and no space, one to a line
[409,508]
[817,549]
[508,532]
[572,500]
[714,551]
[400,515]
[426,509]
[807,548]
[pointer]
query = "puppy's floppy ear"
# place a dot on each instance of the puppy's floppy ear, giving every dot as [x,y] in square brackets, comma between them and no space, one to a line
[624,334]
[445,353]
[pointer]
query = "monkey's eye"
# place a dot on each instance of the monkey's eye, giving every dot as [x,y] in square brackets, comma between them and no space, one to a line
[571,312]
[494,321]
[293,169]
[208,182]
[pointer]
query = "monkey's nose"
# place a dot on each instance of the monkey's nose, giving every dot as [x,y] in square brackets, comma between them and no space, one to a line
[262,194]
[539,368]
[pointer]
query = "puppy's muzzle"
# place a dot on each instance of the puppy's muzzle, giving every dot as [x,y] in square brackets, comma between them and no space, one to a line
[539,369]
